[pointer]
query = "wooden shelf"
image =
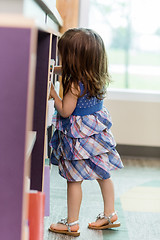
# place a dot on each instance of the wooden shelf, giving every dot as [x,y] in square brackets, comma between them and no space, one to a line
[16,20]
[31,138]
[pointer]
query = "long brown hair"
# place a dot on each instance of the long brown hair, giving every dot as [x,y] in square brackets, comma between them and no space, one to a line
[84,59]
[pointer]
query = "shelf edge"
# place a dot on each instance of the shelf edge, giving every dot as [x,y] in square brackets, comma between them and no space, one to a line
[31,138]
[53,14]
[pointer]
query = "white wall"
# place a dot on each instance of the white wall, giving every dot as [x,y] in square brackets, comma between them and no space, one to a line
[10,6]
[135,116]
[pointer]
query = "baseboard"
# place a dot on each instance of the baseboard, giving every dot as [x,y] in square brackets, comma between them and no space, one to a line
[138,151]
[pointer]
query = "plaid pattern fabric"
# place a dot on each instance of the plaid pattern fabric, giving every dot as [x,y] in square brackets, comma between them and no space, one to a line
[82,126]
[82,170]
[84,146]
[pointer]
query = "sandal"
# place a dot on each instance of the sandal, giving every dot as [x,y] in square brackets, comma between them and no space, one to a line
[68,231]
[108,225]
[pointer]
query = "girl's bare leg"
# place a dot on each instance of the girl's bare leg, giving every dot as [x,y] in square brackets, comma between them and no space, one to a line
[74,198]
[107,190]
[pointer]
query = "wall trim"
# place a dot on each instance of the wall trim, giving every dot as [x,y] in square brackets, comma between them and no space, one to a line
[138,151]
[133,95]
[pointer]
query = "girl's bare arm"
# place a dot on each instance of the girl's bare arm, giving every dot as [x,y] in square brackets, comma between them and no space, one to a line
[66,106]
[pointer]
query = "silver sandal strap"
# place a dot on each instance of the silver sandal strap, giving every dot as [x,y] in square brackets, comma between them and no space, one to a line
[101,216]
[110,216]
[73,223]
[64,221]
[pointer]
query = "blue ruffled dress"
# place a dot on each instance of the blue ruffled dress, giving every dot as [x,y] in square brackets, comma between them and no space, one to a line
[83,143]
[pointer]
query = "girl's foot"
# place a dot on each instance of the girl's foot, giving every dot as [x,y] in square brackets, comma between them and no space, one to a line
[64,227]
[104,222]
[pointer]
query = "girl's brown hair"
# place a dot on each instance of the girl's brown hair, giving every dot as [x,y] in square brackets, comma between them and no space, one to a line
[84,59]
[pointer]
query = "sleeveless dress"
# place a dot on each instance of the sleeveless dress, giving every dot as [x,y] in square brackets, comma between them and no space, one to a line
[83,143]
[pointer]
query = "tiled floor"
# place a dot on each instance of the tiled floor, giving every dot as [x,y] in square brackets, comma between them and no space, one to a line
[137,200]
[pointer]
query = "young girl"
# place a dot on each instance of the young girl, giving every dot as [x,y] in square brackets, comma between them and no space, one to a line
[83,143]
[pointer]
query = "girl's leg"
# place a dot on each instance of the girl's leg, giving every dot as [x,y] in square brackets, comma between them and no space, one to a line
[74,198]
[107,190]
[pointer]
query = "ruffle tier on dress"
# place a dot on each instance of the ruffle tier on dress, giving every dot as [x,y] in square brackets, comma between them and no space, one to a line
[84,146]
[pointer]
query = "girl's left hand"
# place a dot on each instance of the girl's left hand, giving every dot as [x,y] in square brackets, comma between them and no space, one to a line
[52,92]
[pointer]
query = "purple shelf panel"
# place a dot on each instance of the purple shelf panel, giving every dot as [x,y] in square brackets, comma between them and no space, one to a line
[14,65]
[54,47]
[47,190]
[40,109]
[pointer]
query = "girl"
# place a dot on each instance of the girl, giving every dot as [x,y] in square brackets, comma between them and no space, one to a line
[83,143]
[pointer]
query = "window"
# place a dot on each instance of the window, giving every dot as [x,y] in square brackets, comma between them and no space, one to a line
[131,32]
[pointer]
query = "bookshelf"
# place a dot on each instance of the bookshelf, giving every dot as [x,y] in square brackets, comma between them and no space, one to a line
[26,50]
